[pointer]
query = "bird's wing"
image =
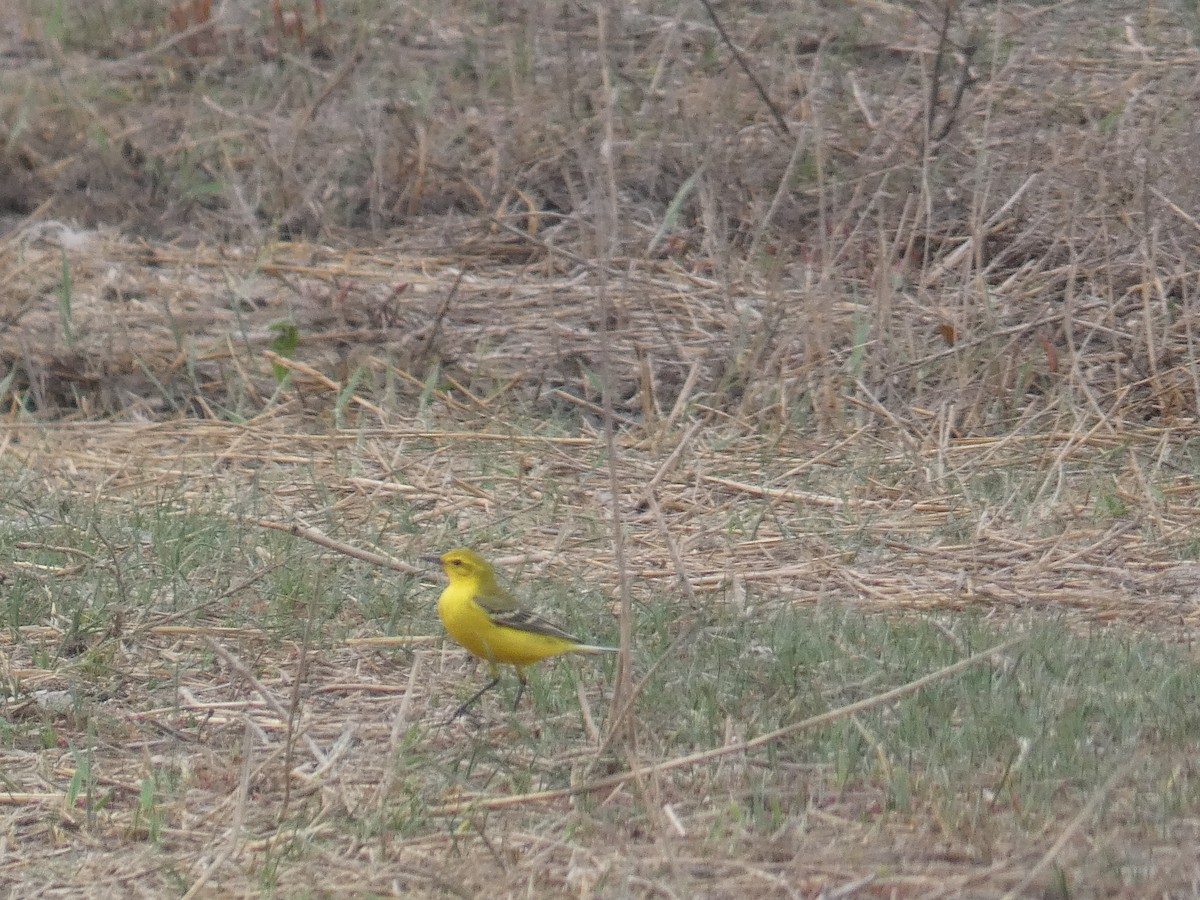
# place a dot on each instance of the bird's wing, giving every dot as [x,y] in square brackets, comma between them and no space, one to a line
[524,620]
[504,610]
[496,599]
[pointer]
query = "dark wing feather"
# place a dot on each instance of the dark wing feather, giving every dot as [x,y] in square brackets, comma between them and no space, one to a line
[524,620]
[503,609]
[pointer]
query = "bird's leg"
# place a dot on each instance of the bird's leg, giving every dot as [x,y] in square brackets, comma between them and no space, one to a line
[521,688]
[462,709]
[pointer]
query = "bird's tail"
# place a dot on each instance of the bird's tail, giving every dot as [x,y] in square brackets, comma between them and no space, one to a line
[592,648]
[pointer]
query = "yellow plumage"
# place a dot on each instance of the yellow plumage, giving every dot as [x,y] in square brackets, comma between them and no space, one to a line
[489,622]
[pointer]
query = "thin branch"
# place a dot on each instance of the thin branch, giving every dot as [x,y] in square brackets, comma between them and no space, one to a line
[780,123]
[311,534]
[1121,770]
[707,756]
[606,226]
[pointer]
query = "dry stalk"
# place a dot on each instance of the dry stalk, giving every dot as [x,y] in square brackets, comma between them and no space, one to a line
[683,637]
[396,737]
[744,65]
[294,700]
[605,225]
[1119,772]
[242,796]
[278,708]
[311,534]
[706,756]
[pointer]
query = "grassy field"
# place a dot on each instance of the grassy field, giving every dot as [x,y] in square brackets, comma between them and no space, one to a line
[844,357]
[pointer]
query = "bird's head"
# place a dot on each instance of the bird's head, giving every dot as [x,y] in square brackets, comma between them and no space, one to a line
[464,564]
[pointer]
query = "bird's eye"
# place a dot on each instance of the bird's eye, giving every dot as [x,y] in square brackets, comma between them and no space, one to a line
[456,562]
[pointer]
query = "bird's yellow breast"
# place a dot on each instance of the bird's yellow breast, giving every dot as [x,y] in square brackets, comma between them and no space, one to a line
[469,624]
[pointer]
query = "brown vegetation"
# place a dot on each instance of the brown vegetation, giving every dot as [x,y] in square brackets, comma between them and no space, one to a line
[894,307]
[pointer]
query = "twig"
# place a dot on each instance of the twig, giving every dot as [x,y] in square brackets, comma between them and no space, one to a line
[294,700]
[706,756]
[935,78]
[327,382]
[135,59]
[606,224]
[780,123]
[276,707]
[1075,824]
[311,534]
[669,463]
[591,407]
[398,724]
[159,625]
[1175,208]
[968,246]
[239,813]
[332,83]
[615,719]
[797,496]
[672,549]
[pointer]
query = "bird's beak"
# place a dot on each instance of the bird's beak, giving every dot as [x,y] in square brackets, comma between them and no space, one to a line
[435,560]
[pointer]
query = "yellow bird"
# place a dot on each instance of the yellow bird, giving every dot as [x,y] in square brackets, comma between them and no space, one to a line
[488,621]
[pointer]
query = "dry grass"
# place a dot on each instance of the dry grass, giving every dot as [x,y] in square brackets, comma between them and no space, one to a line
[354,719]
[902,365]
